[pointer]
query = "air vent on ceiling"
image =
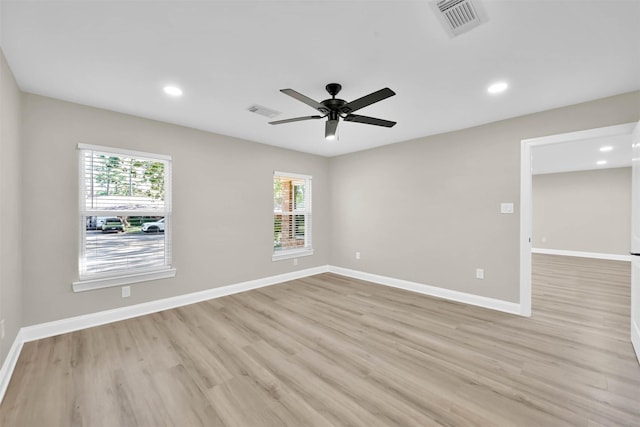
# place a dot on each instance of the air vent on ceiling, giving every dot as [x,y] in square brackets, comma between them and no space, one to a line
[263,111]
[459,16]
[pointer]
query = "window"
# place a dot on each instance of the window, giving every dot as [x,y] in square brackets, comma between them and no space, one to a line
[291,216]
[125,217]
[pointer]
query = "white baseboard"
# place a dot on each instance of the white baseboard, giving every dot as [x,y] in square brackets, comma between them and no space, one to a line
[635,338]
[10,364]
[494,304]
[612,257]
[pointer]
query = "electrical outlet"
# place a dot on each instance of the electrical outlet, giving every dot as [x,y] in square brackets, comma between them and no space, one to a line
[295,261]
[479,273]
[126,291]
[357,255]
[2,329]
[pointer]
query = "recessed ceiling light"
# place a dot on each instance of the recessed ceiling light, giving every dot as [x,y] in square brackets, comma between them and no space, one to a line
[601,162]
[606,148]
[172,90]
[497,87]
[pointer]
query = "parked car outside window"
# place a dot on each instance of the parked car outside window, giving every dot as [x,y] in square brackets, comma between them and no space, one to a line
[95,222]
[112,224]
[153,227]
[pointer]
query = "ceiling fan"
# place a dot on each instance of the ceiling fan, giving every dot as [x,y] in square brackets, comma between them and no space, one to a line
[335,109]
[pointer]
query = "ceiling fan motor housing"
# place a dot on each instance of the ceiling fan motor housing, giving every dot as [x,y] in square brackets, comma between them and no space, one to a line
[333,105]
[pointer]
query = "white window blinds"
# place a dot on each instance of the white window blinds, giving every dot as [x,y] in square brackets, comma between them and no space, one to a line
[292,219]
[125,212]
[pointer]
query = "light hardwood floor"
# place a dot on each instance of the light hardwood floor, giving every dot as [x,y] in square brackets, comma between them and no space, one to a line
[333,351]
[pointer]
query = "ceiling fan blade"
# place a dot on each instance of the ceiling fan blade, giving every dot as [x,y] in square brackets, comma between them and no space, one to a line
[310,102]
[296,119]
[372,98]
[330,128]
[368,120]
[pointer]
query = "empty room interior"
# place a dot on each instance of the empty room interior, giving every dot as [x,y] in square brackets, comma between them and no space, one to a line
[320,213]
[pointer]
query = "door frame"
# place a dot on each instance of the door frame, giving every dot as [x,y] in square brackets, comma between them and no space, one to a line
[526,194]
[635,261]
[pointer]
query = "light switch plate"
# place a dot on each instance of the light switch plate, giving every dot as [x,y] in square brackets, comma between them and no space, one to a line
[506,208]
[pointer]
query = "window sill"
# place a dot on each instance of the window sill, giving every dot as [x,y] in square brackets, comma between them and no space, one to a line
[126,279]
[295,253]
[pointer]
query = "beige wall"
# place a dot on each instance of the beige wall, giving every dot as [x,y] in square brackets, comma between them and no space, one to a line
[222,206]
[425,210]
[587,211]
[10,215]
[428,210]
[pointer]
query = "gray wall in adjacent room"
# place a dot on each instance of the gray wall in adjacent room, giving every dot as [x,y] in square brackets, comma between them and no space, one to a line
[586,211]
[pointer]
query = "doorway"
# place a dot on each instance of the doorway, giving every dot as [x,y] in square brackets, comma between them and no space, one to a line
[526,193]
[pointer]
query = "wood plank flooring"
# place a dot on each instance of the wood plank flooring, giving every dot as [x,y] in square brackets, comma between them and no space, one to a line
[333,351]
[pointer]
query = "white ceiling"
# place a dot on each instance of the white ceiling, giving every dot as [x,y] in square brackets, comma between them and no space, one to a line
[228,55]
[582,154]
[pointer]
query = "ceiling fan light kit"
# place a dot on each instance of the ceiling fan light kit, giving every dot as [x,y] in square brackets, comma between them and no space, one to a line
[330,129]
[335,109]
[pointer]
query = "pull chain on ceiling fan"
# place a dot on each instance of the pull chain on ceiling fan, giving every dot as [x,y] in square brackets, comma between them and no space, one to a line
[334,109]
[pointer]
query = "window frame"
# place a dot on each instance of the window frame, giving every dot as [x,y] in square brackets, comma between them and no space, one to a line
[130,275]
[307,249]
